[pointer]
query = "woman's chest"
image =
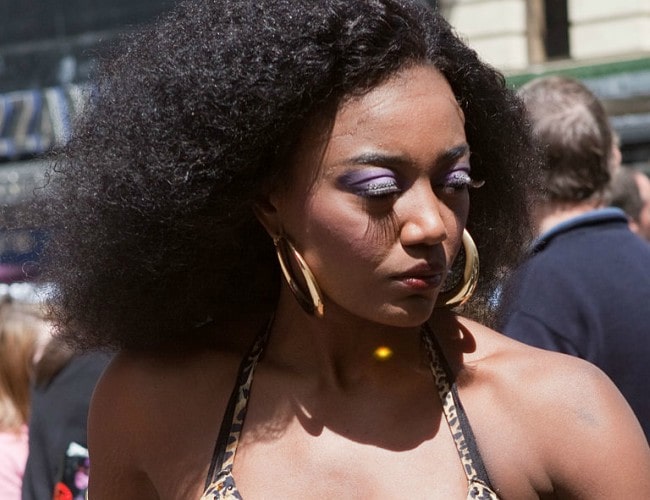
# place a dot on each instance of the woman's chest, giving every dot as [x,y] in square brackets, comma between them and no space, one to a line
[299,465]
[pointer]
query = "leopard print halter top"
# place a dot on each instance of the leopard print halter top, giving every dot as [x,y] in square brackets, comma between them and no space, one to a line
[220,483]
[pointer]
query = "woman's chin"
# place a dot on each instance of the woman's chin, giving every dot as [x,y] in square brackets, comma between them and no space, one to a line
[407,316]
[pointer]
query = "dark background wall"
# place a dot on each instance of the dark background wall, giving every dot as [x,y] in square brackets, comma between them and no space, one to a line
[46,43]
[52,42]
[47,52]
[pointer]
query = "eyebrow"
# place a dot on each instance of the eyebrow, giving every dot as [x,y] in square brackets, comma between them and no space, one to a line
[378,158]
[454,153]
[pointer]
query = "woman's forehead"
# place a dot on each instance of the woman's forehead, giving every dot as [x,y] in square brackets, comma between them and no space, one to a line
[405,93]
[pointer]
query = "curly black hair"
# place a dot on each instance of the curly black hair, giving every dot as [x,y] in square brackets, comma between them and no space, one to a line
[189,120]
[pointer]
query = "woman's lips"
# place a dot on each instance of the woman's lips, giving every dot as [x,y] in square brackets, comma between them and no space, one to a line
[421,278]
[422,282]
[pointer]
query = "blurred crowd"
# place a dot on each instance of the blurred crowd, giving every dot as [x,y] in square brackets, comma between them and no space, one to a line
[45,390]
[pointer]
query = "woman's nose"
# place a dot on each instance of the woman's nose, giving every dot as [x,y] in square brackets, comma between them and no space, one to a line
[420,218]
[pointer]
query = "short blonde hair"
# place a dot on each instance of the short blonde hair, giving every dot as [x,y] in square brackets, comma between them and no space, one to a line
[573,130]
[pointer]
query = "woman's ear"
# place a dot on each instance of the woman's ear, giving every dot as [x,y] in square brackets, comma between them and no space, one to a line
[266,211]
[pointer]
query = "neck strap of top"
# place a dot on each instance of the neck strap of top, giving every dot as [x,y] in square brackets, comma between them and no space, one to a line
[454,412]
[233,420]
[223,457]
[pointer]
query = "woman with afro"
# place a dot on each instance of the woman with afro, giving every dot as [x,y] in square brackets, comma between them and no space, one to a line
[266,208]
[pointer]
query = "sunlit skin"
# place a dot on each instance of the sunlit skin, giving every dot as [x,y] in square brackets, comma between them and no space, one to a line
[379,220]
[345,406]
[376,206]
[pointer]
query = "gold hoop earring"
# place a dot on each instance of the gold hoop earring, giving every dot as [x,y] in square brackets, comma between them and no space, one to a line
[312,302]
[462,292]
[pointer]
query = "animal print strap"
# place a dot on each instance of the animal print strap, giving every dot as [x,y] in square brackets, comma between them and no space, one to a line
[223,457]
[455,415]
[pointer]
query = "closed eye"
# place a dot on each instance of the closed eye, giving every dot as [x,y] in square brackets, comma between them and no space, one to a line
[379,188]
[372,182]
[458,180]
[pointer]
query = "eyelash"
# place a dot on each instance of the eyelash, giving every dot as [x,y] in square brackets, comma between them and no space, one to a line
[457,181]
[453,183]
[380,189]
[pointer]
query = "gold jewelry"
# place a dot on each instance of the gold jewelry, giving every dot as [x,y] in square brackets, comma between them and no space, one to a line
[461,293]
[312,303]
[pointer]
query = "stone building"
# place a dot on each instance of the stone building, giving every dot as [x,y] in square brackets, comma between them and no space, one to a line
[606,44]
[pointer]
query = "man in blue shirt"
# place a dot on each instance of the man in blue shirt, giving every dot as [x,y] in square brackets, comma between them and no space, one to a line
[585,287]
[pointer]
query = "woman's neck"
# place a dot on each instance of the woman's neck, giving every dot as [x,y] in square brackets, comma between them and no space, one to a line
[340,349]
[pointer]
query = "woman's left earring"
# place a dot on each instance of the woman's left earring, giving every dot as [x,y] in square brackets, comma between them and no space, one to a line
[312,301]
[463,291]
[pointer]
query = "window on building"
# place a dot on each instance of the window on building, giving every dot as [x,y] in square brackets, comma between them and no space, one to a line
[557,29]
[548,30]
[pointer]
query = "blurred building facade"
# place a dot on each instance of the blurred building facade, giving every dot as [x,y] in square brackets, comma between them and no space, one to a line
[48,51]
[606,44]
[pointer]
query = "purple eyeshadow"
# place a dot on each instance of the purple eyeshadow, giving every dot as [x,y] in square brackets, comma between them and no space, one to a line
[366,175]
[460,177]
[368,180]
[458,174]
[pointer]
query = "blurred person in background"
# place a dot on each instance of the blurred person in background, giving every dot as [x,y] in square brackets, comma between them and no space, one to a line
[630,191]
[57,465]
[21,329]
[584,289]
[643,221]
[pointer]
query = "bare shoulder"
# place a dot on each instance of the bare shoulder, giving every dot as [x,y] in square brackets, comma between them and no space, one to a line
[562,417]
[143,382]
[148,406]
[537,377]
[507,361]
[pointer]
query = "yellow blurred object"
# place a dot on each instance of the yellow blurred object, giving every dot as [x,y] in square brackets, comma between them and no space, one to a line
[383,353]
